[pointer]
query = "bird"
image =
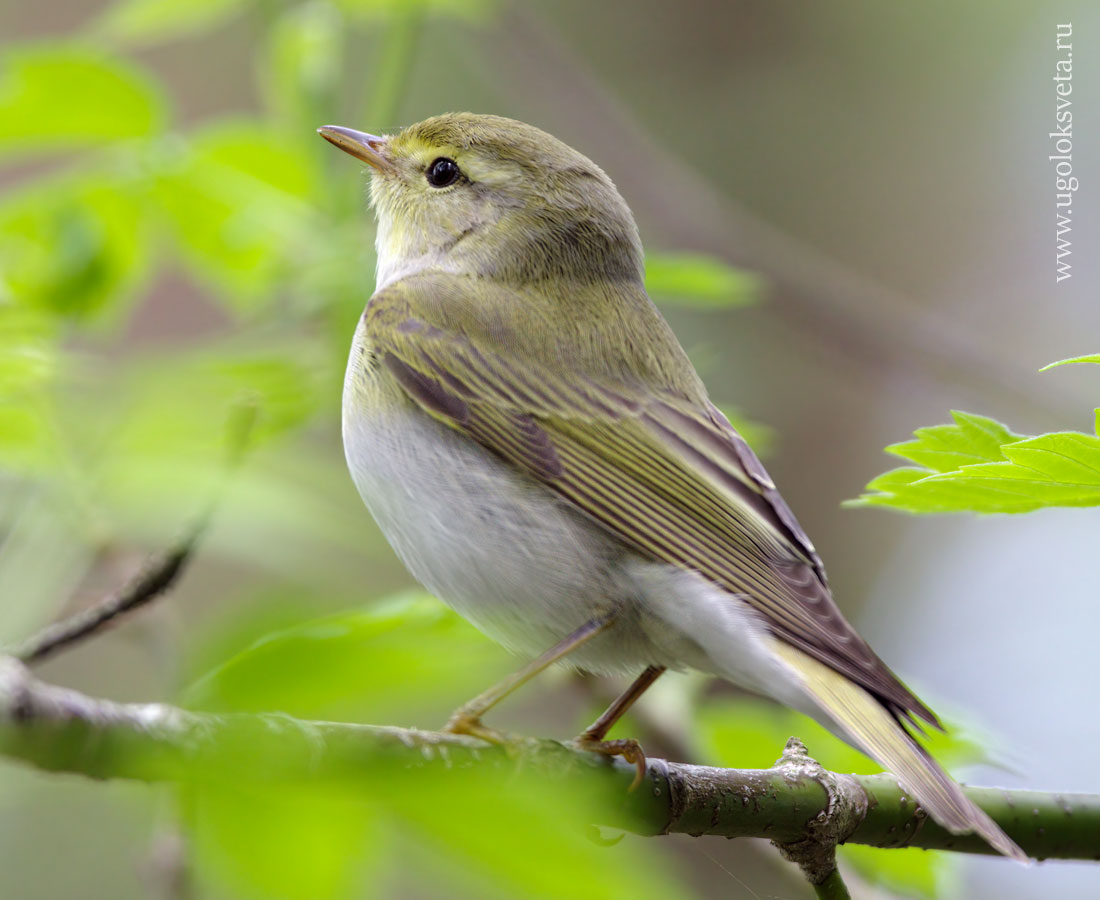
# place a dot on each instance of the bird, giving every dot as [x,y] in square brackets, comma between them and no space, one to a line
[539,451]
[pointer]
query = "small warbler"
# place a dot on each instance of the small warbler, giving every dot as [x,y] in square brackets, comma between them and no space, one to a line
[541,454]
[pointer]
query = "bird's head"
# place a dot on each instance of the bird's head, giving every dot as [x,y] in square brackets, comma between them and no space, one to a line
[494,198]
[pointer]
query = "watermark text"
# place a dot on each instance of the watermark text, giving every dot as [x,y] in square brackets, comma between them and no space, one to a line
[1065,182]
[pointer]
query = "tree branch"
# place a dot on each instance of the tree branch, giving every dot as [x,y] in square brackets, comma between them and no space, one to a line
[160,572]
[58,729]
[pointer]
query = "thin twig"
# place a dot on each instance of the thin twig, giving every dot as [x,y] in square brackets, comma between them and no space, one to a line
[833,888]
[160,572]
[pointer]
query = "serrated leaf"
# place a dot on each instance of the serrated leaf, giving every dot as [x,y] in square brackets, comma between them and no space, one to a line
[1092,358]
[55,97]
[690,279]
[979,465]
[941,448]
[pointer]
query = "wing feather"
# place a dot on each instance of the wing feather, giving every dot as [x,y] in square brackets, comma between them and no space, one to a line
[668,476]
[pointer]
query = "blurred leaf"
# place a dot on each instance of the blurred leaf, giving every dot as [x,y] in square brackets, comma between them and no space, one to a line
[1094,358]
[29,364]
[28,351]
[475,10]
[240,206]
[299,69]
[704,282]
[151,21]
[64,97]
[908,871]
[153,435]
[759,436]
[471,831]
[979,465]
[383,663]
[484,833]
[76,246]
[424,827]
[750,734]
[291,841]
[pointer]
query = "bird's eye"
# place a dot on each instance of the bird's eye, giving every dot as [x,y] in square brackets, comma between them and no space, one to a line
[443,172]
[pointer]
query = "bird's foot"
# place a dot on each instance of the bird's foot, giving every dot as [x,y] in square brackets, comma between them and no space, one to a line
[627,748]
[462,722]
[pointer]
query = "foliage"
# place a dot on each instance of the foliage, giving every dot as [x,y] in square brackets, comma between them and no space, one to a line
[979,465]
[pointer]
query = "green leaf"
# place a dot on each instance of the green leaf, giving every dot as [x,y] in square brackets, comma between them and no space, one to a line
[76,246]
[689,279]
[759,436]
[29,364]
[153,433]
[298,842]
[488,834]
[453,829]
[300,67]
[153,21]
[906,871]
[750,733]
[240,205]
[473,10]
[978,465]
[62,97]
[1093,358]
[407,659]
[941,448]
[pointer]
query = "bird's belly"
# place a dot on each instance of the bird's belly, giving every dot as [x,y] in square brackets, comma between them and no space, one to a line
[525,567]
[502,550]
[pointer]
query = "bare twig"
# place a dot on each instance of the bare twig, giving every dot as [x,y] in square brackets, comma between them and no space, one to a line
[160,572]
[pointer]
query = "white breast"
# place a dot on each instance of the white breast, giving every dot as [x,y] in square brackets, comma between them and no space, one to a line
[525,567]
[499,548]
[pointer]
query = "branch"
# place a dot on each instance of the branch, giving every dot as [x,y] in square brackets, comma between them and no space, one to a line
[62,730]
[160,572]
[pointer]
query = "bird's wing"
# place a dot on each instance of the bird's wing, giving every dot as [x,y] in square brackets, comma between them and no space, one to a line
[668,475]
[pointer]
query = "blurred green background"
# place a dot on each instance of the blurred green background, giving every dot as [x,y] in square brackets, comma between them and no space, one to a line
[849,214]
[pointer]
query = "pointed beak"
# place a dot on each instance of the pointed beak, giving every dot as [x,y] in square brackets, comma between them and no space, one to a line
[368,148]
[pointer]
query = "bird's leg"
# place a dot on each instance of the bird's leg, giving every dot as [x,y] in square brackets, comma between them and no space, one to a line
[592,738]
[467,718]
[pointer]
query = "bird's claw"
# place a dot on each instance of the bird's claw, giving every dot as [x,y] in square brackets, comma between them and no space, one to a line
[627,748]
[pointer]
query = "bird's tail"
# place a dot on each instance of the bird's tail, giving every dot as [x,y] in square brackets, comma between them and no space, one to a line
[874,730]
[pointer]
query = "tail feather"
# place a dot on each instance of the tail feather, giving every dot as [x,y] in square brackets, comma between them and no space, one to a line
[874,730]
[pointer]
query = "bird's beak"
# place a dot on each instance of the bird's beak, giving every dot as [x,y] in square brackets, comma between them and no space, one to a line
[366,147]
